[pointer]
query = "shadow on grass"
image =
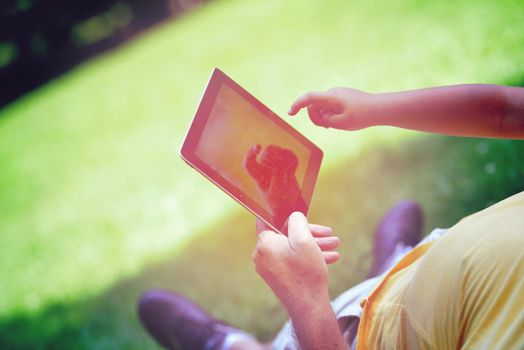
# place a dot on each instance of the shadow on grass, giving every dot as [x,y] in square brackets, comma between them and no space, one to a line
[519,82]
[451,177]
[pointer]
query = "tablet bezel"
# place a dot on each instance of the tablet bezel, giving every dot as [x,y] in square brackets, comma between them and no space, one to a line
[196,129]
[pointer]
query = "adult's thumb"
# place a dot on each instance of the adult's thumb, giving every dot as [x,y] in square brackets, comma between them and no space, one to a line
[298,229]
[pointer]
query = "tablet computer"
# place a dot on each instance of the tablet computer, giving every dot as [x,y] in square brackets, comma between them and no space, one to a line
[251,153]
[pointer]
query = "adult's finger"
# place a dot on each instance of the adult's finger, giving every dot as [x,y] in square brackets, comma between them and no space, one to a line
[272,240]
[261,226]
[330,257]
[320,230]
[308,99]
[267,246]
[298,229]
[327,243]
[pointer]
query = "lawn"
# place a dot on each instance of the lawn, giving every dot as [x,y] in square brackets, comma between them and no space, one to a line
[96,205]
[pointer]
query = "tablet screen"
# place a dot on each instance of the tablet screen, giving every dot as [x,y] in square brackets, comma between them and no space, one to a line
[251,153]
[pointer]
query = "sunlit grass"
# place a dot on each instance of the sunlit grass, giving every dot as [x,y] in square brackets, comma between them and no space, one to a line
[92,190]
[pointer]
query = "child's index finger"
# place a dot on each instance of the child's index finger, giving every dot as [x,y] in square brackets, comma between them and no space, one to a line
[306,100]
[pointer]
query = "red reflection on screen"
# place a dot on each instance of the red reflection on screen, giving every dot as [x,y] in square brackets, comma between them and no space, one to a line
[273,168]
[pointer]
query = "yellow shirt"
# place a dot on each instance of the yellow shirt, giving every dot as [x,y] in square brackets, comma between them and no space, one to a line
[463,291]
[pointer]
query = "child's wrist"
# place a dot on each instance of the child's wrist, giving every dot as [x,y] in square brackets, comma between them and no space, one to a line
[372,111]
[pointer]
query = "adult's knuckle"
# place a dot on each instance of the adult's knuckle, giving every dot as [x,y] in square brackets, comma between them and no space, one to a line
[262,249]
[302,243]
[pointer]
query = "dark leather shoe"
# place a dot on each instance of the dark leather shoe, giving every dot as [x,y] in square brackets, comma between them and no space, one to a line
[402,223]
[175,322]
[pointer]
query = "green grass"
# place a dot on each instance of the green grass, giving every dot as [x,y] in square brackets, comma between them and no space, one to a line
[96,206]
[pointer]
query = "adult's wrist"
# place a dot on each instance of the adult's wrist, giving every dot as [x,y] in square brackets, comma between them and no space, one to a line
[316,326]
[311,301]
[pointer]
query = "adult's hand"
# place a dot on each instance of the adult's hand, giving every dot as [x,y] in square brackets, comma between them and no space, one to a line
[295,268]
[323,236]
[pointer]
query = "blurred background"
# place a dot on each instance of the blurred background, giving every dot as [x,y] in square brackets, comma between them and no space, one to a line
[96,206]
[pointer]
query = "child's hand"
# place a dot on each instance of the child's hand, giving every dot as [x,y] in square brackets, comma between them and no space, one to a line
[340,108]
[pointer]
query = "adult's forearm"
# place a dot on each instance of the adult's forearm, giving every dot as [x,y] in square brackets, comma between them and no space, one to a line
[462,110]
[315,324]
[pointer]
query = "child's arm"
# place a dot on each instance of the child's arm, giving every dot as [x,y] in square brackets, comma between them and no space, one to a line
[462,110]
